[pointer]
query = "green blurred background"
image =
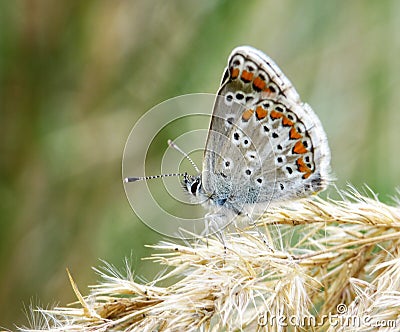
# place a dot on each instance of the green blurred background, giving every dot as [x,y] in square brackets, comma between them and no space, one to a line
[76,75]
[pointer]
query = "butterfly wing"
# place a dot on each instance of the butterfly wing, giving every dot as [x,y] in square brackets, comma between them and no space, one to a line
[264,144]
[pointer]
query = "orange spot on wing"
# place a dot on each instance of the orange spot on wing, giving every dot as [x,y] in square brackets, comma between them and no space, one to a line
[234,72]
[259,83]
[260,113]
[275,115]
[247,76]
[302,168]
[247,114]
[286,122]
[267,90]
[294,134]
[299,148]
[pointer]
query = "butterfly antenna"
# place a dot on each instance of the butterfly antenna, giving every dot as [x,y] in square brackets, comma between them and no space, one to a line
[142,178]
[177,148]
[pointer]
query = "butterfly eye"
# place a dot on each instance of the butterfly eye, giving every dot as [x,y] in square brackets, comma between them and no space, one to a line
[193,187]
[259,181]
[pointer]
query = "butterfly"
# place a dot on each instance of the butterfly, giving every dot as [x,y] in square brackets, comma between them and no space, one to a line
[264,144]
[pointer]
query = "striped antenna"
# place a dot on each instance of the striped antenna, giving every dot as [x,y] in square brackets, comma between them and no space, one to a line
[141,178]
[177,148]
[174,146]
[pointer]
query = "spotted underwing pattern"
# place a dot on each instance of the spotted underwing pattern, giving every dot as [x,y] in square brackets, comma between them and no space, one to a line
[264,144]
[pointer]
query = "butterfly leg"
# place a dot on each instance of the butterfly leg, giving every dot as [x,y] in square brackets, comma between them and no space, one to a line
[262,236]
[213,223]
